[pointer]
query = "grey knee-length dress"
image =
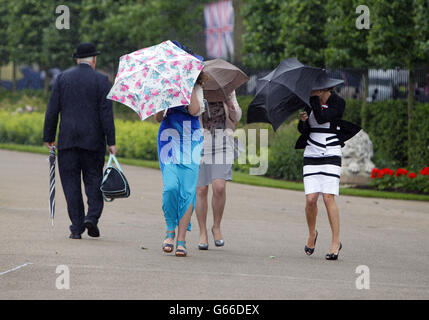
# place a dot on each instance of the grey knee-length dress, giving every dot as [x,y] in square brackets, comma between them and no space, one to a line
[217,157]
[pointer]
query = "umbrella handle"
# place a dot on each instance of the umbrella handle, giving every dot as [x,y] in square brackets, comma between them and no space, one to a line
[52,150]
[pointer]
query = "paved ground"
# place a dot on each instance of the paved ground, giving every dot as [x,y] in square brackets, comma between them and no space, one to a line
[263,258]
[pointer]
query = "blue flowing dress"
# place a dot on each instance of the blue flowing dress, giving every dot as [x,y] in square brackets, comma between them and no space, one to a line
[180,141]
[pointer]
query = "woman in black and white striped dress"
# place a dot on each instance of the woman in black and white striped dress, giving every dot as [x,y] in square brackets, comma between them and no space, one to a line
[322,162]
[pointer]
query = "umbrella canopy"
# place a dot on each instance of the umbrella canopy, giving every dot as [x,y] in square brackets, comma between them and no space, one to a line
[155,78]
[282,92]
[52,157]
[285,90]
[224,78]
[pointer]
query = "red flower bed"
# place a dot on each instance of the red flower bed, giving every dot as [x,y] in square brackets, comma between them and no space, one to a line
[380,173]
[425,171]
[401,172]
[400,180]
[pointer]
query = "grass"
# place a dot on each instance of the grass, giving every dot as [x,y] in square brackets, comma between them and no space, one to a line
[244,178]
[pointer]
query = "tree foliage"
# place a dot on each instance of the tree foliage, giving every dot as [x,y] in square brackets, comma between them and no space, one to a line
[58,45]
[29,34]
[302,29]
[26,20]
[391,37]
[261,41]
[346,44]
[421,32]
[4,49]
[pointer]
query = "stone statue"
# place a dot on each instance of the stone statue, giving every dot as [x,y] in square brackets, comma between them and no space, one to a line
[356,160]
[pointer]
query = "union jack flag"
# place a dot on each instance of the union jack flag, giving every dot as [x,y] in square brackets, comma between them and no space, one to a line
[219,18]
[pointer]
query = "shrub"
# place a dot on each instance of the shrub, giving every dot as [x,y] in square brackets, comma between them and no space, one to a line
[21,128]
[419,150]
[284,160]
[352,112]
[386,124]
[137,140]
[244,102]
[12,101]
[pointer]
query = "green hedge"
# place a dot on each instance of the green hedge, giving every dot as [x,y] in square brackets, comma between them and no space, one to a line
[419,151]
[386,124]
[134,139]
[353,111]
[244,102]
[284,160]
[24,128]
[137,139]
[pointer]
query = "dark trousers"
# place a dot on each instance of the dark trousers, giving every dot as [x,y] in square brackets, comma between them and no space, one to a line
[73,164]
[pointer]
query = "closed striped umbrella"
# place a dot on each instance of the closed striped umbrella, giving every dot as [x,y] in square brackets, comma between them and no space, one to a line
[52,156]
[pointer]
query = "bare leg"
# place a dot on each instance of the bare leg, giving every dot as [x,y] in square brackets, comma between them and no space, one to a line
[218,205]
[334,220]
[183,225]
[201,209]
[311,215]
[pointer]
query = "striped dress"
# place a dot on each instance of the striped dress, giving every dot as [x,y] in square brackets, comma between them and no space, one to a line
[322,158]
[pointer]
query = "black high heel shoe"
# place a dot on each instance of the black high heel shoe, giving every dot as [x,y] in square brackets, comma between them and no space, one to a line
[334,256]
[309,251]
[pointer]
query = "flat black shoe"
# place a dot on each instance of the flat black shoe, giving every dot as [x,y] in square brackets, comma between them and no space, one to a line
[92,229]
[75,236]
[309,251]
[333,256]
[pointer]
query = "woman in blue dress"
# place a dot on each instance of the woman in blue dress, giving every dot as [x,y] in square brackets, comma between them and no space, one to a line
[179,150]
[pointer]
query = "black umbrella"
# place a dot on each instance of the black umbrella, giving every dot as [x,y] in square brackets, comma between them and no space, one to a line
[285,90]
[52,183]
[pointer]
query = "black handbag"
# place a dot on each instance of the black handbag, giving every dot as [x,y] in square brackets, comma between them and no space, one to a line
[114,184]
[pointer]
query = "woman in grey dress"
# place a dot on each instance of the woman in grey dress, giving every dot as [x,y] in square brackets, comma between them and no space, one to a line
[219,122]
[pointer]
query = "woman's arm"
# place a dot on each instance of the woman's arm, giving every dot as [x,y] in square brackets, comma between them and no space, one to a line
[234,109]
[197,102]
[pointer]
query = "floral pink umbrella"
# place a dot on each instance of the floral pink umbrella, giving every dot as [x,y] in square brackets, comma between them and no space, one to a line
[156,78]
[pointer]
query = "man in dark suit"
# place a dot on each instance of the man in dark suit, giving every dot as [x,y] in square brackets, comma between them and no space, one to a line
[79,95]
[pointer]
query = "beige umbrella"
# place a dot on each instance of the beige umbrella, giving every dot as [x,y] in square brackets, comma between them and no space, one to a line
[224,78]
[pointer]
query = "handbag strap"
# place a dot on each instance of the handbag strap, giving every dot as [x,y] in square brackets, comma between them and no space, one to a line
[109,165]
[113,158]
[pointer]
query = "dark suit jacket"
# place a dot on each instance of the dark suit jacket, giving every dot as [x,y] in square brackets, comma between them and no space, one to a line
[79,96]
[333,114]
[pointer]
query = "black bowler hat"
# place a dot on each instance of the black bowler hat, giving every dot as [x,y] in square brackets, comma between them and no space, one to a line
[84,50]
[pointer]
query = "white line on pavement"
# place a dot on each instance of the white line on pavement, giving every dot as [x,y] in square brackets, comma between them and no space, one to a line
[16,268]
